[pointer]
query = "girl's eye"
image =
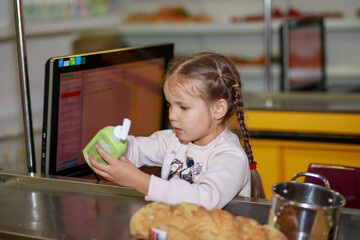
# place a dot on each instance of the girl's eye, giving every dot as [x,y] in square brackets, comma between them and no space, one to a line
[184,108]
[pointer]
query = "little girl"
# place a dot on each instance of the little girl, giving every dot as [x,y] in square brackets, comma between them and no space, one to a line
[202,160]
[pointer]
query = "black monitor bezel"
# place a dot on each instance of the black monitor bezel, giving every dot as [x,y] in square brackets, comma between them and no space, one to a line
[52,89]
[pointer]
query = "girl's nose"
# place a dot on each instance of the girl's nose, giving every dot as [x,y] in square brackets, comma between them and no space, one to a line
[172,114]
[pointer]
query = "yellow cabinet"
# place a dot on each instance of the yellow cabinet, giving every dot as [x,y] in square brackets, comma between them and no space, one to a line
[286,142]
[280,160]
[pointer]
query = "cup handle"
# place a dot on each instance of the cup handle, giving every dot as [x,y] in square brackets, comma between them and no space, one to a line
[314,175]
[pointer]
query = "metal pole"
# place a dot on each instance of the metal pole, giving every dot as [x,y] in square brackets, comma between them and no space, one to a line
[268,44]
[24,85]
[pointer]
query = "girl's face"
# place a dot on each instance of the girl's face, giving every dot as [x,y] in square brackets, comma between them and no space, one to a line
[192,119]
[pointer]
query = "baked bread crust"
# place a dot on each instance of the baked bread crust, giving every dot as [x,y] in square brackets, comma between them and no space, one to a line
[191,221]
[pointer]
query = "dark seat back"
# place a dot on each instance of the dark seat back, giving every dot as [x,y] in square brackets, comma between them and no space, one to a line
[342,179]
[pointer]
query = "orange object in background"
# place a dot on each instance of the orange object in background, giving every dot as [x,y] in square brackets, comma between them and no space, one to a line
[291,12]
[240,61]
[248,61]
[172,14]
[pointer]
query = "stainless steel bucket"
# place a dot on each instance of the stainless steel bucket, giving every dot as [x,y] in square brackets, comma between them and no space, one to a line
[305,210]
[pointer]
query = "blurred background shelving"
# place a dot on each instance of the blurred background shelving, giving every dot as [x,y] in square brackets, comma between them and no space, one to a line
[50,33]
[204,29]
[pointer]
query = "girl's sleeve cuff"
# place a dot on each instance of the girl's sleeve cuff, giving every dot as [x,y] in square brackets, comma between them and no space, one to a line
[158,189]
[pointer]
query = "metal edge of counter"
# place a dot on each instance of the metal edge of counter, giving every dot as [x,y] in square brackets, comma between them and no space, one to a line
[86,185]
[262,201]
[68,184]
[303,102]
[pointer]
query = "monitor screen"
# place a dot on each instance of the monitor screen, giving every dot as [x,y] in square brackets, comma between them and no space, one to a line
[84,93]
[302,54]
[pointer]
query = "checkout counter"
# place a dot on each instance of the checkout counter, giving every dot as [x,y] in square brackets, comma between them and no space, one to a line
[35,207]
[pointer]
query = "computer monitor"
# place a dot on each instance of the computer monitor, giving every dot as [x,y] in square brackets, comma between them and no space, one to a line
[302,54]
[86,92]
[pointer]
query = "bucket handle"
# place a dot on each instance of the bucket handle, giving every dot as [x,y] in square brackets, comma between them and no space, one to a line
[314,175]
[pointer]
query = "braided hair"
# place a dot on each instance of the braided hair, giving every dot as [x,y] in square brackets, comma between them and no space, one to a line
[220,80]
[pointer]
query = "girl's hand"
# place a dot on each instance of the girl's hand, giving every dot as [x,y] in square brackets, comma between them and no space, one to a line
[120,171]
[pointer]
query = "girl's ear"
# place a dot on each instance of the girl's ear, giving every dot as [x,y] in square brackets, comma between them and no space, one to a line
[219,108]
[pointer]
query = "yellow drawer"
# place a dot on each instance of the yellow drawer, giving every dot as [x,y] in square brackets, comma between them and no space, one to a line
[332,123]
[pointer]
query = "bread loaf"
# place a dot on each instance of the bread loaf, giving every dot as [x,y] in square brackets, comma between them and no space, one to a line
[191,221]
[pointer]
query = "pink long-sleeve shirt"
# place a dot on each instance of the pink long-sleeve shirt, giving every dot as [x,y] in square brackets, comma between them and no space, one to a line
[210,175]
